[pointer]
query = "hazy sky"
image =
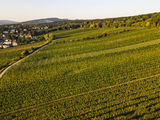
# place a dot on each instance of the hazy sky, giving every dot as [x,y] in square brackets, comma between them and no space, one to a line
[21,10]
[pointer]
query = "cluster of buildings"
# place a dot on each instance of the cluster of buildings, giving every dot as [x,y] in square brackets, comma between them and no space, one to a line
[7,44]
[13,31]
[17,32]
[41,28]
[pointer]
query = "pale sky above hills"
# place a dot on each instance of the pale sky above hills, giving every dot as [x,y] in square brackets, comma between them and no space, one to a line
[22,10]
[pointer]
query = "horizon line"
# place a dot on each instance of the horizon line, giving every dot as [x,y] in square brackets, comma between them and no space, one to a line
[80,18]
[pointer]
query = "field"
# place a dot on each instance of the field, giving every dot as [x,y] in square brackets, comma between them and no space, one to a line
[10,55]
[87,74]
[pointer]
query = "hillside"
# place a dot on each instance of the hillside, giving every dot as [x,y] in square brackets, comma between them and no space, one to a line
[93,69]
[47,20]
[37,21]
[3,22]
[98,74]
[146,20]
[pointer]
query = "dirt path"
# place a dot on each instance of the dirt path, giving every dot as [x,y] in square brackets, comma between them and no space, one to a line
[18,49]
[15,63]
[84,93]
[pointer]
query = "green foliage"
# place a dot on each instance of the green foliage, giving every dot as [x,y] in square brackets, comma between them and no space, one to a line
[10,55]
[148,20]
[82,60]
[49,37]
[25,53]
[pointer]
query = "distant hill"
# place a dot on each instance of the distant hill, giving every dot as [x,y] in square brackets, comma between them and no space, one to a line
[3,22]
[47,20]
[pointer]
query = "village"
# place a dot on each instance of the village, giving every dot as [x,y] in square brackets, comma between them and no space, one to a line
[11,36]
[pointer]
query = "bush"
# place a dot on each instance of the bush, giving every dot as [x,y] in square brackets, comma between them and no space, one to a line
[26,52]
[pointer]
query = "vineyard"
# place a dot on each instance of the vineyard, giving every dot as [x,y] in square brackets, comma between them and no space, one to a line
[10,55]
[108,73]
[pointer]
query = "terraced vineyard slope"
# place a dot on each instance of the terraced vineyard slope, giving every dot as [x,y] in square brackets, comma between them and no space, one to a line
[108,73]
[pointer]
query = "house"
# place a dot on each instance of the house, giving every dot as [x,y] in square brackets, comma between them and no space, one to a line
[12,31]
[24,30]
[4,35]
[8,42]
[45,27]
[33,41]
[34,37]
[28,36]
[6,46]
[37,28]
[21,36]
[14,43]
[5,32]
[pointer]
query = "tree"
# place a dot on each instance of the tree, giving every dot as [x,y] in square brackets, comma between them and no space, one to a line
[26,52]
[49,36]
